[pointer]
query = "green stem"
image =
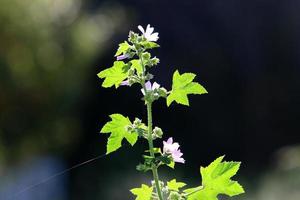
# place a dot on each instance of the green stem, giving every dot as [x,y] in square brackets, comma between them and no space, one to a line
[150,142]
[150,139]
[196,190]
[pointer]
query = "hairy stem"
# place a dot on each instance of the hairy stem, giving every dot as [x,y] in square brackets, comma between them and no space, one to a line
[150,142]
[150,139]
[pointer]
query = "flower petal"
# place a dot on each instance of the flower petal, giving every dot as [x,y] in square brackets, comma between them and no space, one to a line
[148,85]
[141,29]
[179,160]
[170,140]
[155,86]
[154,37]
[149,29]
[125,83]
[122,57]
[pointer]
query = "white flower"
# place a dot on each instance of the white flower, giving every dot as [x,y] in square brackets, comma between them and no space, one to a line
[150,87]
[148,34]
[173,149]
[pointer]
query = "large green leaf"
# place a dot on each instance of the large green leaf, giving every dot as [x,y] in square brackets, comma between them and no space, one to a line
[182,86]
[142,193]
[216,179]
[114,75]
[117,128]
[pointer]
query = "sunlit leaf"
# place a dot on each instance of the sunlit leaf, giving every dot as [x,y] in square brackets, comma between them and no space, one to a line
[174,185]
[142,193]
[216,179]
[123,47]
[114,75]
[117,128]
[182,86]
[136,64]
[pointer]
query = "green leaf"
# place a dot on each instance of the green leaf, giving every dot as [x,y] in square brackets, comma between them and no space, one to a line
[216,179]
[174,185]
[172,164]
[136,64]
[117,128]
[164,159]
[114,75]
[191,191]
[155,150]
[149,45]
[123,47]
[182,86]
[143,167]
[142,193]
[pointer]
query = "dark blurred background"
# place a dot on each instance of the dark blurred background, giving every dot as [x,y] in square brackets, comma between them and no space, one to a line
[52,106]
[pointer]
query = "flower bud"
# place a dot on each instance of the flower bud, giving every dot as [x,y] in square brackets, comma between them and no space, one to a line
[174,196]
[131,71]
[128,128]
[154,61]
[132,37]
[158,132]
[149,76]
[162,92]
[146,56]
[165,190]
[131,80]
[137,122]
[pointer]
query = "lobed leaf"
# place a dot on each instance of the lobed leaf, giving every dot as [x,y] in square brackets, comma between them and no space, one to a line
[174,185]
[182,86]
[142,193]
[117,128]
[216,179]
[123,47]
[136,64]
[149,45]
[114,75]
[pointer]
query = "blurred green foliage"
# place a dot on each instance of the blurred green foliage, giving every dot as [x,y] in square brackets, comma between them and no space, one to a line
[47,48]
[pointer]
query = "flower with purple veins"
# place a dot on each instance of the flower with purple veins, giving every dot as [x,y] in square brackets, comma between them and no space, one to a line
[150,87]
[173,149]
[148,34]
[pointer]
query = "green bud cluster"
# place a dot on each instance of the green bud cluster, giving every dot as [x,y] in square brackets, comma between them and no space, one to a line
[137,127]
[152,95]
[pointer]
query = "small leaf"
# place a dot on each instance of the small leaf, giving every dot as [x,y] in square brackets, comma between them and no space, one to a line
[182,86]
[164,159]
[114,75]
[155,150]
[172,164]
[216,179]
[123,47]
[143,167]
[118,132]
[142,193]
[150,45]
[174,185]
